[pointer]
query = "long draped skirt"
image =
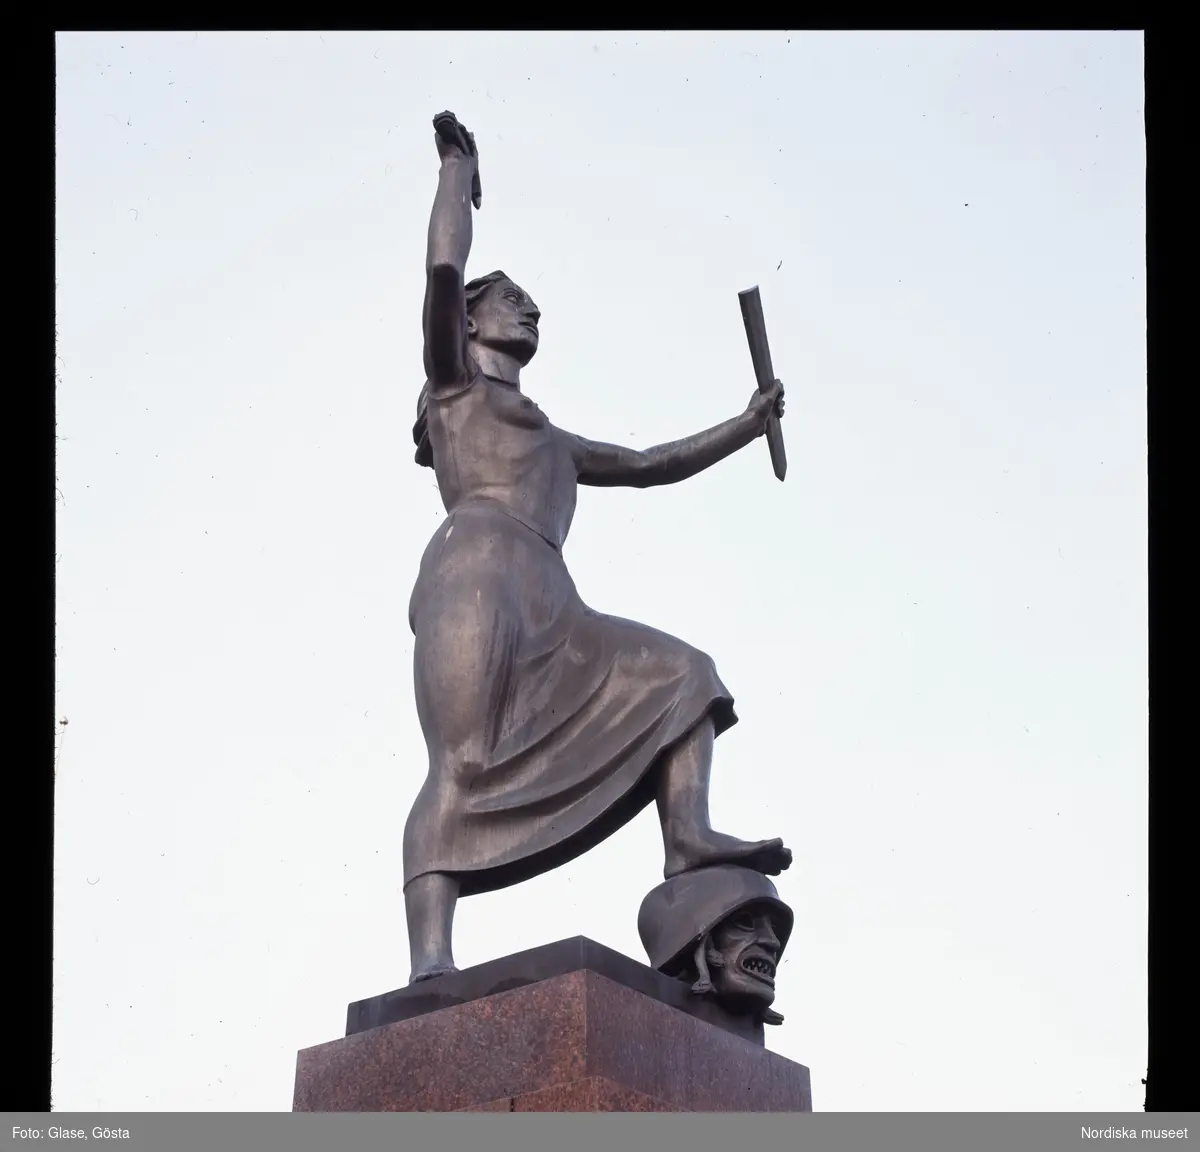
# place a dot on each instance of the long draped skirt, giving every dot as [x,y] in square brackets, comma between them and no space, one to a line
[542,718]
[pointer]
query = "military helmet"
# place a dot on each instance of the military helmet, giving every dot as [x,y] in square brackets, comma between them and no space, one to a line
[678,914]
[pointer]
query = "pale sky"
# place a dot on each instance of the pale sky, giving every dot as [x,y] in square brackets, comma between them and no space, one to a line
[935,630]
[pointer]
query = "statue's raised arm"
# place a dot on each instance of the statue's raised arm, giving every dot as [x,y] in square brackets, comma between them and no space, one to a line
[444,320]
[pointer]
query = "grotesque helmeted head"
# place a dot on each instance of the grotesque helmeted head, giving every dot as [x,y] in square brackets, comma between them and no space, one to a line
[723,930]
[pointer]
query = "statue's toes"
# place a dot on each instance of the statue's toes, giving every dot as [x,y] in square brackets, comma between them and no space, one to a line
[770,857]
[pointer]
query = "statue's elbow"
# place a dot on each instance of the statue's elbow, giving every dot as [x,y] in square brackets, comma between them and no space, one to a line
[443,275]
[650,473]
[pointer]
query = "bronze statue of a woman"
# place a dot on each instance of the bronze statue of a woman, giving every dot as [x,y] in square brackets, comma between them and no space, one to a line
[548,725]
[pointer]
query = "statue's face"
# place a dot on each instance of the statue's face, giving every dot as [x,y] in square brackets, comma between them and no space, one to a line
[506,319]
[749,950]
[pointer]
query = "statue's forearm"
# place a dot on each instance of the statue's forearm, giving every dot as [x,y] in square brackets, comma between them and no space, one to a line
[450,221]
[615,466]
[670,463]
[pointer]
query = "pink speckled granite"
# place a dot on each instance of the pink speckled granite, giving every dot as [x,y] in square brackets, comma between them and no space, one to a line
[503,1045]
[591,1094]
[573,1043]
[504,1104]
[656,1050]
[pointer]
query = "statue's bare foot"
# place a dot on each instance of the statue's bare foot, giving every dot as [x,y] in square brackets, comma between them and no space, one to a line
[431,970]
[769,857]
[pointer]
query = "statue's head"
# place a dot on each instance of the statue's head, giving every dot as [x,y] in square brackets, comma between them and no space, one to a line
[501,316]
[742,954]
[722,930]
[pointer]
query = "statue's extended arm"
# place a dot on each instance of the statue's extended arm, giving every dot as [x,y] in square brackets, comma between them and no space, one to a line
[444,318]
[612,466]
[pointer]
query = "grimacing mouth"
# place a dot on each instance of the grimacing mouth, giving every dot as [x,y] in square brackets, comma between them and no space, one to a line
[756,964]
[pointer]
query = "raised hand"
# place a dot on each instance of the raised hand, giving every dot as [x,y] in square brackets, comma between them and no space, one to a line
[453,140]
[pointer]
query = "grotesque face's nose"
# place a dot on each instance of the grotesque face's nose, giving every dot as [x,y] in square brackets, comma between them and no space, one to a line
[766,935]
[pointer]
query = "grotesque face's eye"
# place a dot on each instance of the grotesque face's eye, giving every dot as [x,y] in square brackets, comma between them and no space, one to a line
[744,922]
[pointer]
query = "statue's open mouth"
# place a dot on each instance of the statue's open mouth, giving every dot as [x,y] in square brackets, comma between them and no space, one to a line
[759,967]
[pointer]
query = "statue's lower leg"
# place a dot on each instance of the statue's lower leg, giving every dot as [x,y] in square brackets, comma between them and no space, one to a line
[429,903]
[688,838]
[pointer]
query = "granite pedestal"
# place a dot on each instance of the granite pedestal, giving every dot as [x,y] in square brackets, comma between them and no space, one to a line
[569,1027]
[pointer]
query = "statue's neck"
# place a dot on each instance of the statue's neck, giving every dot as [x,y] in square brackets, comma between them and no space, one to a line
[498,365]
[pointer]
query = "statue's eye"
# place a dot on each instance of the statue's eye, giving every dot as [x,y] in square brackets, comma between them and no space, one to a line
[744,922]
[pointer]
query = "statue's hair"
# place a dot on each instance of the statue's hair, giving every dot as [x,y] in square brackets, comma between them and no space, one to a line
[474,292]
